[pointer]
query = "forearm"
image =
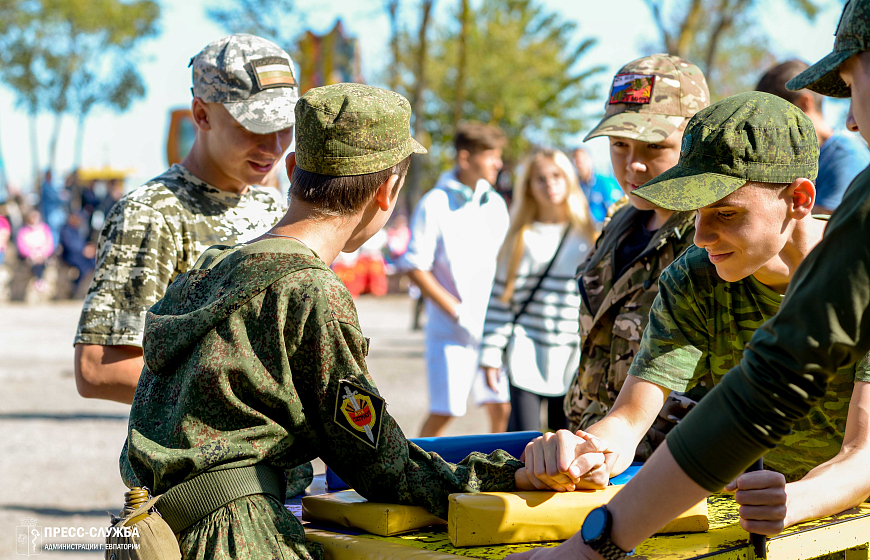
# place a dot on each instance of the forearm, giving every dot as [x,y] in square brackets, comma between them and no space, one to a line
[830,488]
[433,290]
[108,372]
[649,502]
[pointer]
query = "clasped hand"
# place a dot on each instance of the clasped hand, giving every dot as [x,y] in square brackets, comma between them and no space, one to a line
[565,461]
[763,501]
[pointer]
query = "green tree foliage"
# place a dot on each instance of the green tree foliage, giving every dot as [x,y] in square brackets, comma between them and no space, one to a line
[510,63]
[69,56]
[723,37]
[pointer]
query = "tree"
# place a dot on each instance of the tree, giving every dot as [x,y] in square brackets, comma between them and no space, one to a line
[510,63]
[276,20]
[72,55]
[715,34]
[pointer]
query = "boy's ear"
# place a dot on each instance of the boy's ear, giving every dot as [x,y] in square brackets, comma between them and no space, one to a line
[290,162]
[462,158]
[803,197]
[382,195]
[199,111]
[806,102]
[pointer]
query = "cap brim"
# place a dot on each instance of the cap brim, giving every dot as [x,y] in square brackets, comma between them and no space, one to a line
[824,76]
[643,127]
[264,113]
[683,189]
[416,147]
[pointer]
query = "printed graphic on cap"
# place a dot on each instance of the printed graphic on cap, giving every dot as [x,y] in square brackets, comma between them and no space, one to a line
[273,71]
[360,412]
[632,88]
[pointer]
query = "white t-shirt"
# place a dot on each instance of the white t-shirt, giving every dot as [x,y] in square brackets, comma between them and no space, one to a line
[456,233]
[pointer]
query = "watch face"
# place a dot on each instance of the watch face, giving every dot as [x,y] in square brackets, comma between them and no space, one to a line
[594,525]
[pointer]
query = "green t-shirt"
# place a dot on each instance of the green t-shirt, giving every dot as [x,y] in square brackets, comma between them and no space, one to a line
[700,324]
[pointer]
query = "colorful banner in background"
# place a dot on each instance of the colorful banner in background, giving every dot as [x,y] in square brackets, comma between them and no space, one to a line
[328,59]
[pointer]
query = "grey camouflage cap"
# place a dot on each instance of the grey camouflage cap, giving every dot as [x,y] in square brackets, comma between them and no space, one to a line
[352,129]
[651,97]
[750,136]
[851,37]
[250,76]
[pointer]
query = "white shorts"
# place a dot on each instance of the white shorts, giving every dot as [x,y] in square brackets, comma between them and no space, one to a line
[453,373]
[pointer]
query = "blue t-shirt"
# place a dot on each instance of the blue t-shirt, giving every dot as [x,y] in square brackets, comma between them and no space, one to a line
[601,192]
[840,160]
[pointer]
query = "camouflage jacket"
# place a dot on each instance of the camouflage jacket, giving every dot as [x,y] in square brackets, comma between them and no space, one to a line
[700,323]
[155,233]
[615,311]
[253,356]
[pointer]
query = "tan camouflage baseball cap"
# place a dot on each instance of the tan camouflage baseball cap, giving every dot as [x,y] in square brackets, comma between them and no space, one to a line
[651,97]
[752,136]
[250,76]
[852,36]
[352,129]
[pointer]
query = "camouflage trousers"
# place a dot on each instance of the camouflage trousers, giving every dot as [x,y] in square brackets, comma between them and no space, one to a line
[255,527]
[299,478]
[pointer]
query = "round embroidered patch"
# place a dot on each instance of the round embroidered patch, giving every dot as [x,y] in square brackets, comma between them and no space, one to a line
[687,145]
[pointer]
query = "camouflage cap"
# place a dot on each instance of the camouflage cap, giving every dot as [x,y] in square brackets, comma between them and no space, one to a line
[250,76]
[651,97]
[851,37]
[352,129]
[750,136]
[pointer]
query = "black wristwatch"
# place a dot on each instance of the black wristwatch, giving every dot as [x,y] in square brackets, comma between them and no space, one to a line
[596,534]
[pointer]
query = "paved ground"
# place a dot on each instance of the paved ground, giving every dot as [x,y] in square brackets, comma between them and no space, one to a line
[59,452]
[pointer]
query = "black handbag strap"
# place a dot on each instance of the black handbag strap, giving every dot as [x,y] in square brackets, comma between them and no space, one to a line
[543,275]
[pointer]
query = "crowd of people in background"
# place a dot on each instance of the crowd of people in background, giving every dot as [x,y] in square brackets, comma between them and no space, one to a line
[48,237]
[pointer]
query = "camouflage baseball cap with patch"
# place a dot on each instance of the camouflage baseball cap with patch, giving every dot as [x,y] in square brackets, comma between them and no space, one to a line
[352,129]
[750,136]
[651,97]
[851,37]
[250,76]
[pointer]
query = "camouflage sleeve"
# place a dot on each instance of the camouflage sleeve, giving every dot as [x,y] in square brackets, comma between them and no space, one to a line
[136,257]
[673,348]
[862,369]
[373,455]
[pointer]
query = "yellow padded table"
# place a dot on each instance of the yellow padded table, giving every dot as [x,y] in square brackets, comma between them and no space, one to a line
[724,540]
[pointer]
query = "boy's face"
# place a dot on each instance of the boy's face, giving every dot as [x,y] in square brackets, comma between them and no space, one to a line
[484,164]
[635,163]
[856,73]
[744,230]
[239,155]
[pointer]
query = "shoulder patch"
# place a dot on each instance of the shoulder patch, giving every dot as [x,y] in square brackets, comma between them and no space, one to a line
[632,88]
[360,412]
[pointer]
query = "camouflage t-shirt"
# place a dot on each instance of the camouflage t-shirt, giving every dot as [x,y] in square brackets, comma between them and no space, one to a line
[700,323]
[248,359]
[156,233]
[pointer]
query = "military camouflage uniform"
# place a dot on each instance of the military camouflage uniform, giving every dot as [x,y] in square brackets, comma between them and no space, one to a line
[155,233]
[701,323]
[244,359]
[615,311]
[649,100]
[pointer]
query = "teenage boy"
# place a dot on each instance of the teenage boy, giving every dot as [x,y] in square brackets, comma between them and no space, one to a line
[456,233]
[255,357]
[650,101]
[790,362]
[243,97]
[750,238]
[841,157]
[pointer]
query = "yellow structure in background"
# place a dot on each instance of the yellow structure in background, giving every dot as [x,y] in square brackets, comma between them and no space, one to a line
[104,174]
[328,59]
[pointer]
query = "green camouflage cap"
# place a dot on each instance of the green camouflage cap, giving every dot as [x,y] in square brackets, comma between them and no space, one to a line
[250,76]
[352,129]
[651,97]
[852,36]
[750,136]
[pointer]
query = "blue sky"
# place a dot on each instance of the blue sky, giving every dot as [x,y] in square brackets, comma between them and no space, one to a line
[136,139]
